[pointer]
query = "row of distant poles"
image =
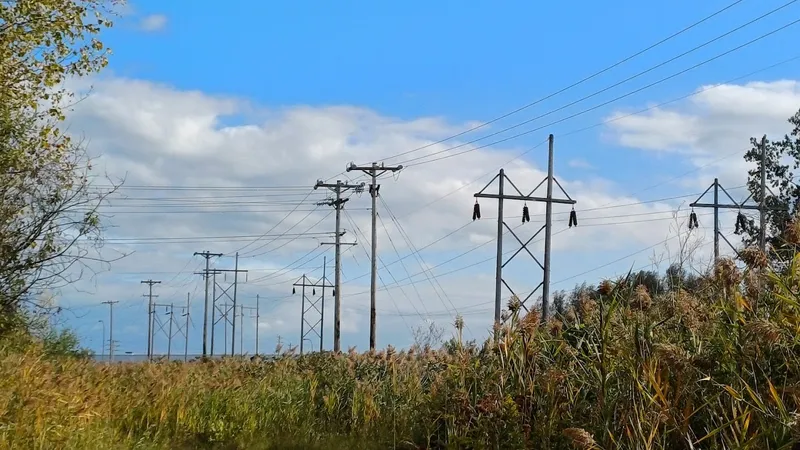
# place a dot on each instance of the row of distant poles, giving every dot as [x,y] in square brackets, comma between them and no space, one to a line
[224,309]
[316,302]
[374,170]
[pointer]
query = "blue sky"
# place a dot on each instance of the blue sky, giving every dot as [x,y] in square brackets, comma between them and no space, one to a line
[460,63]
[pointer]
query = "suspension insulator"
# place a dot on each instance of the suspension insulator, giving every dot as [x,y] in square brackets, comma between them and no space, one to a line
[334,293]
[573,219]
[693,221]
[313,292]
[476,211]
[741,223]
[294,291]
[526,215]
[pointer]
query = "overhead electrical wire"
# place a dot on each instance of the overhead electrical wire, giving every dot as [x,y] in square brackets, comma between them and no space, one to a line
[418,257]
[573,85]
[572,277]
[411,162]
[380,278]
[288,241]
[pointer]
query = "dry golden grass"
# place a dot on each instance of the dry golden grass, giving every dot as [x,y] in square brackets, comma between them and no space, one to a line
[625,370]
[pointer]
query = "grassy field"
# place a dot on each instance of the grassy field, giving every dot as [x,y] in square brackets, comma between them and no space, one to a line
[715,368]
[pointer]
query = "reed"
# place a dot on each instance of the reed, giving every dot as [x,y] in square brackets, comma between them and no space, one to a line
[622,369]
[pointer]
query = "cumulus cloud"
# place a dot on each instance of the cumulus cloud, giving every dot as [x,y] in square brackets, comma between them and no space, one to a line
[215,173]
[713,128]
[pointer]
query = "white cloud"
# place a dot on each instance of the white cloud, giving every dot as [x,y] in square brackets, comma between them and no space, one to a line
[713,129]
[153,22]
[156,135]
[579,163]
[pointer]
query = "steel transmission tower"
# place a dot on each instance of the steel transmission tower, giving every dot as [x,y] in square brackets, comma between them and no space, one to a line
[501,195]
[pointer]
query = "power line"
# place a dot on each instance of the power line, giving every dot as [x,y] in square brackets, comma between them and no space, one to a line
[289,241]
[274,226]
[674,75]
[562,90]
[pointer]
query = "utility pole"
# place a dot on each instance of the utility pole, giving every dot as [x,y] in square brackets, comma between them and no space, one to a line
[150,315]
[322,309]
[547,228]
[338,203]
[169,333]
[110,329]
[374,171]
[103,341]
[213,309]
[258,302]
[186,330]
[762,235]
[233,324]
[225,337]
[207,255]
[242,308]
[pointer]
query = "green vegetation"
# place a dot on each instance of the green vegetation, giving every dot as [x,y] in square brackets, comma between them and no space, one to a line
[716,366]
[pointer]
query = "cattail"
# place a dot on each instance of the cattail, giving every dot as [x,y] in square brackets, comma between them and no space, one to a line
[580,438]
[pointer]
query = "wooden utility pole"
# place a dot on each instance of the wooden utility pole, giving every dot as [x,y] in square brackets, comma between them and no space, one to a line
[150,316]
[186,330]
[338,202]
[374,171]
[110,329]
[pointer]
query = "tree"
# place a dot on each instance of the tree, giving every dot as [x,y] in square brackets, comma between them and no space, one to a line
[48,206]
[428,335]
[782,159]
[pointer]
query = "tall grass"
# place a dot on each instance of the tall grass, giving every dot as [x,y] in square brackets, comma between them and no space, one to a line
[716,368]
